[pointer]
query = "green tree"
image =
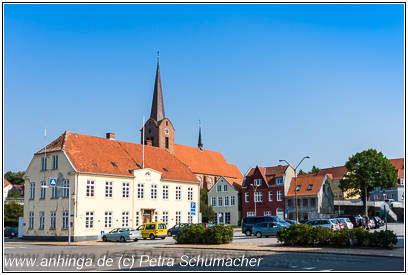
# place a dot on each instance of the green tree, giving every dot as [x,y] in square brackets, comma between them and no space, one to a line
[365,171]
[15,177]
[12,211]
[301,172]
[314,170]
[207,213]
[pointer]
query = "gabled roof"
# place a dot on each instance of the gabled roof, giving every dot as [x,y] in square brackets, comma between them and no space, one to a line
[207,162]
[304,181]
[230,181]
[104,156]
[269,173]
[399,166]
[6,183]
[338,172]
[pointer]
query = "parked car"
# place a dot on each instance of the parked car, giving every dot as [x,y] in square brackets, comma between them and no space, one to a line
[346,221]
[355,220]
[366,222]
[122,235]
[153,230]
[329,223]
[248,223]
[342,226]
[291,221]
[10,232]
[176,229]
[267,229]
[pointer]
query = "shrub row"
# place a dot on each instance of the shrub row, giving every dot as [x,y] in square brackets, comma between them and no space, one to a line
[198,234]
[304,234]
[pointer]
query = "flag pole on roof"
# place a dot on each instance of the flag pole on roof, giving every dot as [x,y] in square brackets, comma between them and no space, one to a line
[143,137]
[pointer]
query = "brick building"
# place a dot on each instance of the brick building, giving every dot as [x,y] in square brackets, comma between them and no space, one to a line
[264,189]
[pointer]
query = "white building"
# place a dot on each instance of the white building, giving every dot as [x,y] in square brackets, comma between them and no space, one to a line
[108,188]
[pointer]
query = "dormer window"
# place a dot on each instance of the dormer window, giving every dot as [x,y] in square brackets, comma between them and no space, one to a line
[298,188]
[257,182]
[279,181]
[310,187]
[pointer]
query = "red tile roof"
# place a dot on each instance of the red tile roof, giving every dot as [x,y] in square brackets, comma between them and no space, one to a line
[6,183]
[338,172]
[207,162]
[95,155]
[399,166]
[304,181]
[277,171]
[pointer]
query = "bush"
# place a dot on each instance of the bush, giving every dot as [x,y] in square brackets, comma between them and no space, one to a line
[301,234]
[197,234]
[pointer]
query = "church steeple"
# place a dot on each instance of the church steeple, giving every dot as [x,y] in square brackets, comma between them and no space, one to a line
[200,143]
[157,112]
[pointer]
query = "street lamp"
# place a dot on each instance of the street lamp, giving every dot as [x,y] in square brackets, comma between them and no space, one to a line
[254,196]
[296,203]
[69,208]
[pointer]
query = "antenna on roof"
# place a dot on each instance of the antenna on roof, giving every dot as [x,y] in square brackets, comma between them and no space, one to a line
[143,142]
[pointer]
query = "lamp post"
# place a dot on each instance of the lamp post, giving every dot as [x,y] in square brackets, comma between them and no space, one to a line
[296,203]
[254,196]
[69,208]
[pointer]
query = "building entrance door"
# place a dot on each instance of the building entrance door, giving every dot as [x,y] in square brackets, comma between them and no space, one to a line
[147,215]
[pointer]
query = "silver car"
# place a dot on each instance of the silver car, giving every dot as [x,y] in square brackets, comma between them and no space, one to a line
[122,235]
[329,223]
[347,222]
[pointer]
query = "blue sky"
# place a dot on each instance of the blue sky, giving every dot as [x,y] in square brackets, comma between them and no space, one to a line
[268,82]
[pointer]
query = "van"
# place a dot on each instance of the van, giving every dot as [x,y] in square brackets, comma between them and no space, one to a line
[249,222]
[153,230]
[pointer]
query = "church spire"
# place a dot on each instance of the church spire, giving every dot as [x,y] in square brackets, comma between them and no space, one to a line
[157,112]
[200,144]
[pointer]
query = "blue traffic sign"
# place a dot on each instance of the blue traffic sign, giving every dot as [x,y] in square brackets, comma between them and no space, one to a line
[193,208]
[53,182]
[193,205]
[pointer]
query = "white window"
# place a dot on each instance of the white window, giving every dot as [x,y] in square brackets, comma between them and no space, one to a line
[218,188]
[232,200]
[31,220]
[219,201]
[246,197]
[125,218]
[42,218]
[43,189]
[190,218]
[53,218]
[89,219]
[32,191]
[54,162]
[250,214]
[165,192]
[108,219]
[225,188]
[166,217]
[65,219]
[54,192]
[90,188]
[137,218]
[297,188]
[43,164]
[153,191]
[279,196]
[178,192]
[65,189]
[140,190]
[213,201]
[270,196]
[257,182]
[190,193]
[279,181]
[258,196]
[108,189]
[267,213]
[178,217]
[227,216]
[220,217]
[125,190]
[226,201]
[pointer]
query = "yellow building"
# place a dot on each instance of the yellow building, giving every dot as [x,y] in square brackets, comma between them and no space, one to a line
[338,173]
[109,188]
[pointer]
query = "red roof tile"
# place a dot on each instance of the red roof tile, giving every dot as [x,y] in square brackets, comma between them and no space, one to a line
[304,181]
[399,166]
[276,171]
[96,155]
[6,183]
[207,162]
[338,172]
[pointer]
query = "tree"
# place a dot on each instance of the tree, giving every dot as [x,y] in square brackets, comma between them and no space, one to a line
[301,172]
[12,210]
[207,213]
[314,170]
[15,177]
[365,171]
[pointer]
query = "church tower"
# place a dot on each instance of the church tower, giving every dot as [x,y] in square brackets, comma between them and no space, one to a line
[159,131]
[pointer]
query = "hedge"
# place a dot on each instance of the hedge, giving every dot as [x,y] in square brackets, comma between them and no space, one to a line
[304,234]
[198,234]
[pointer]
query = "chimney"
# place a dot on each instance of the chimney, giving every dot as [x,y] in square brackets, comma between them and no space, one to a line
[110,136]
[149,142]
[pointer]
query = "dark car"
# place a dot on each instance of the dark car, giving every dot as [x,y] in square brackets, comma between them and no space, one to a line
[176,229]
[10,232]
[248,223]
[291,221]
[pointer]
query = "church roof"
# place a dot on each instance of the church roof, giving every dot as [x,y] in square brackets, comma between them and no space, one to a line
[207,162]
[104,156]
[157,112]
